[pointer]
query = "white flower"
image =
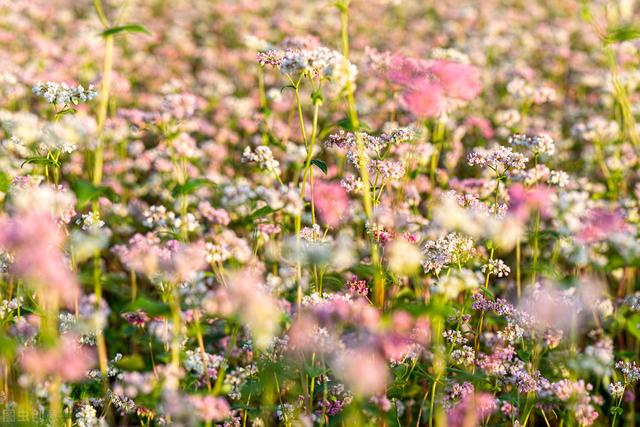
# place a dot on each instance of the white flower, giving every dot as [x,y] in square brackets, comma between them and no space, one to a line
[90,221]
[63,94]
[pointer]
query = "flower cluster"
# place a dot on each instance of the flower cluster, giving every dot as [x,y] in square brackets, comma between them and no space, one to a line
[61,94]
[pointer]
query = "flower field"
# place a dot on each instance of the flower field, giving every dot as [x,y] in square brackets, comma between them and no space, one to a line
[319,213]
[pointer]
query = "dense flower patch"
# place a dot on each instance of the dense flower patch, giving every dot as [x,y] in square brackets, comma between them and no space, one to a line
[389,213]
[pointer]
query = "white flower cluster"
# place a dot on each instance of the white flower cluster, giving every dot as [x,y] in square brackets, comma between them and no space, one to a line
[63,94]
[451,249]
[90,221]
[497,267]
[501,157]
[521,89]
[538,144]
[54,138]
[263,156]
[597,129]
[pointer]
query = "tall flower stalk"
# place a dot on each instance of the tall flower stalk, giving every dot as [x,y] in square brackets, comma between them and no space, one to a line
[378,279]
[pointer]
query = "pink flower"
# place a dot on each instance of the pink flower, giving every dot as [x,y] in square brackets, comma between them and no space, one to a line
[460,81]
[472,410]
[211,408]
[429,85]
[68,360]
[525,200]
[331,202]
[482,124]
[363,371]
[600,223]
[34,240]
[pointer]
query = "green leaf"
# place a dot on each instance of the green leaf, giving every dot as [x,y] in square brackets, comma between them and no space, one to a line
[41,160]
[287,87]
[621,34]
[616,410]
[320,164]
[86,192]
[262,212]
[633,325]
[131,363]
[315,371]
[152,308]
[190,186]
[317,98]
[5,182]
[66,111]
[128,28]
[487,291]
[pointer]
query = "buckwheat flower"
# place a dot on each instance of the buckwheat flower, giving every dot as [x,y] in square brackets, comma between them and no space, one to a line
[67,359]
[121,403]
[630,370]
[210,408]
[54,138]
[496,267]
[523,201]
[558,178]
[34,240]
[214,215]
[481,124]
[319,62]
[508,118]
[137,318]
[342,140]
[500,158]
[616,390]
[543,95]
[451,249]
[180,262]
[352,184]
[331,202]
[430,88]
[257,309]
[189,221]
[311,234]
[464,356]
[597,129]
[379,233]
[272,57]
[400,136]
[63,94]
[552,337]
[454,337]
[471,410]
[184,145]
[362,370]
[538,144]
[179,106]
[262,156]
[380,62]
[600,224]
[519,88]
[358,287]
[155,216]
[585,414]
[266,231]
[87,416]
[90,221]
[387,170]
[58,201]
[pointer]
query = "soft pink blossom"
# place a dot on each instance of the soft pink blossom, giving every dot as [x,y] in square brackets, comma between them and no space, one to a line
[331,202]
